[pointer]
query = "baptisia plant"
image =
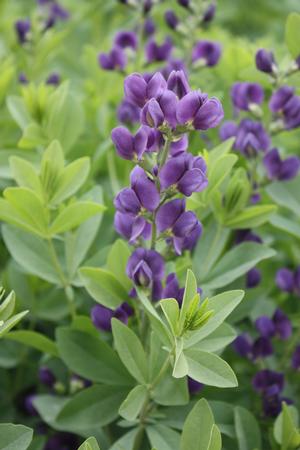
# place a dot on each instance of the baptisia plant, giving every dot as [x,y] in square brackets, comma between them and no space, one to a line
[166,336]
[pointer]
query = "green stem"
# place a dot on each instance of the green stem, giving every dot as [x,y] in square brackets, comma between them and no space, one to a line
[165,152]
[113,173]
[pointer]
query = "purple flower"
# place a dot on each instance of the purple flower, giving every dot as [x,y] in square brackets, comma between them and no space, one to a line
[147,6]
[268,382]
[207,51]
[186,173]
[149,27]
[246,235]
[62,440]
[180,146]
[22,78]
[196,108]
[228,129]
[101,316]
[28,405]
[161,111]
[142,195]
[251,137]
[22,28]
[138,90]
[178,83]
[131,227]
[272,405]
[152,114]
[194,386]
[286,105]
[171,19]
[181,227]
[155,52]
[46,376]
[130,146]
[265,326]
[283,326]
[278,169]
[209,14]
[114,60]
[262,348]
[172,288]
[184,3]
[128,113]
[244,95]
[253,278]
[126,39]
[243,345]
[296,358]
[265,61]
[285,280]
[53,79]
[146,268]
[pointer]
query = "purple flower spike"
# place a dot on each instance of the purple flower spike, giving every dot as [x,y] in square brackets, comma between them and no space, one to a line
[126,39]
[101,316]
[244,95]
[296,358]
[171,19]
[265,61]
[251,138]
[228,129]
[278,169]
[185,172]
[114,60]
[282,325]
[194,386]
[262,348]
[243,345]
[155,52]
[130,146]
[265,326]
[47,377]
[196,108]
[22,28]
[207,51]
[285,280]
[253,278]
[138,91]
[178,83]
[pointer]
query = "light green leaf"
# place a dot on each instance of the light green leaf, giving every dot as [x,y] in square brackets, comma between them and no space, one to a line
[163,438]
[171,391]
[251,217]
[103,286]
[25,174]
[91,358]
[247,429]
[125,442]
[18,111]
[285,428]
[117,261]
[90,444]
[73,215]
[286,194]
[196,433]
[11,322]
[35,340]
[218,339]
[33,136]
[180,368]
[15,437]
[209,369]
[215,442]
[292,34]
[130,351]
[7,306]
[286,225]
[235,263]
[133,403]
[170,309]
[190,291]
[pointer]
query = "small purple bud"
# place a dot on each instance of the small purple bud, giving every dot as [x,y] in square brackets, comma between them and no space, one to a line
[265,61]
[278,169]
[262,348]
[244,95]
[23,79]
[228,129]
[155,52]
[194,386]
[126,39]
[265,326]
[149,27]
[171,19]
[209,14]
[29,406]
[296,358]
[285,280]
[47,377]
[247,235]
[114,60]
[184,3]
[243,345]
[253,278]
[22,28]
[53,79]
[282,324]
[266,379]
[208,51]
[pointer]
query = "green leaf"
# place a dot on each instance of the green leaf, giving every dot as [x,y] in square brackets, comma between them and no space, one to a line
[130,351]
[90,444]
[292,34]
[196,433]
[35,340]
[219,338]
[71,179]
[15,437]
[25,174]
[190,291]
[220,150]
[215,442]
[73,215]
[235,263]
[103,286]
[171,391]
[180,368]
[285,428]
[286,225]
[125,442]
[117,262]
[247,429]
[251,217]
[48,406]
[33,136]
[91,358]
[163,438]
[170,309]
[133,403]
[7,306]
[18,111]
[286,194]
[218,172]
[209,369]
[11,322]
[222,305]
[31,252]
[95,406]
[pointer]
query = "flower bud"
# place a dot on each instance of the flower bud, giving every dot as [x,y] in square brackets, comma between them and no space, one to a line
[265,61]
[208,51]
[171,19]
